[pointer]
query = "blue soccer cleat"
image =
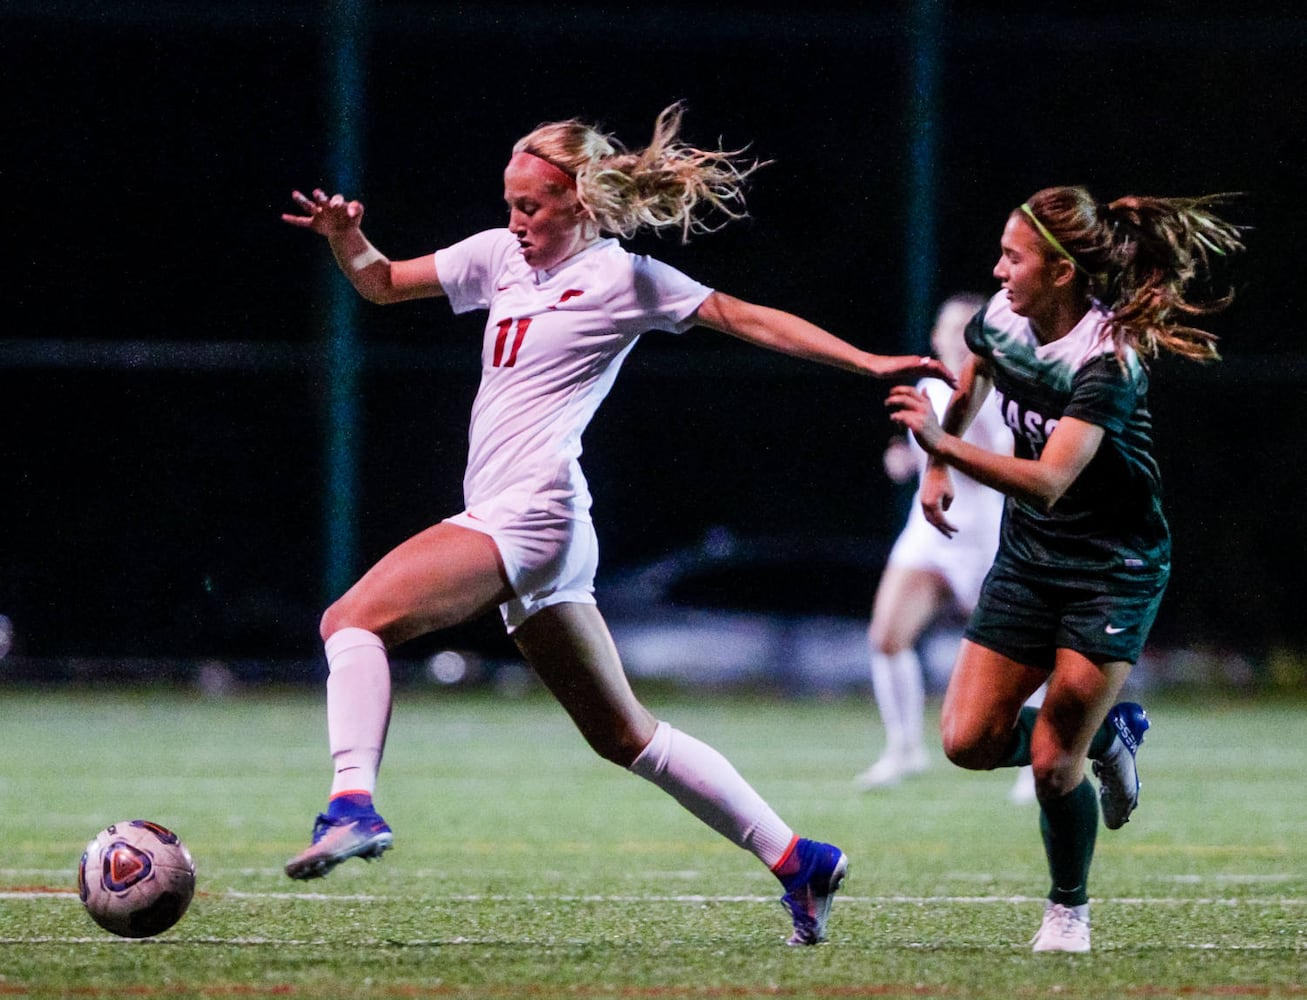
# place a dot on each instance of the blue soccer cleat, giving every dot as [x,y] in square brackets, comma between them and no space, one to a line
[1118,790]
[356,833]
[810,890]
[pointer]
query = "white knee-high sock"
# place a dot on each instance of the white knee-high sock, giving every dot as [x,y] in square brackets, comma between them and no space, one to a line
[358,708]
[706,784]
[900,691]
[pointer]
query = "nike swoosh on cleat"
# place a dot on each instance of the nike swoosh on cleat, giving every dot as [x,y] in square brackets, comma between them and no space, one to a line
[1113,630]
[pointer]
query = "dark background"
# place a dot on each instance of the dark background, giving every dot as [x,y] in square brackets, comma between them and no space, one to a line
[163,484]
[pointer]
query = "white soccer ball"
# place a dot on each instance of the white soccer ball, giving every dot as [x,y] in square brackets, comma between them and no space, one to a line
[136,878]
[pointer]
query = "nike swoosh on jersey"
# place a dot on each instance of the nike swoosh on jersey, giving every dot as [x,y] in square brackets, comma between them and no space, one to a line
[1113,630]
[571,293]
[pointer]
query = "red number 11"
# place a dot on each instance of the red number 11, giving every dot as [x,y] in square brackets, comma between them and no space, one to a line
[502,337]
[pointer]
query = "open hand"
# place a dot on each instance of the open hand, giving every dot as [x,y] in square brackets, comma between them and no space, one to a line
[325,216]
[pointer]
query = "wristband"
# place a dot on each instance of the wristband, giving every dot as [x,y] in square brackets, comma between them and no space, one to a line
[369,256]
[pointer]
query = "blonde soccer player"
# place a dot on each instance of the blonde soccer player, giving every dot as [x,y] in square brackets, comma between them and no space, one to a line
[565,303]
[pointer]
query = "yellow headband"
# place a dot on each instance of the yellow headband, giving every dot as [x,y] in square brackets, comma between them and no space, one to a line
[1052,240]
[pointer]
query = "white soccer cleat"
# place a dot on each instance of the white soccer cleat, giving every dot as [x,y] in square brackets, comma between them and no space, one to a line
[1065,928]
[892,767]
[1022,791]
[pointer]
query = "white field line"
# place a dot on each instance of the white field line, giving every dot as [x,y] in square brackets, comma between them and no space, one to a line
[67,876]
[180,939]
[67,896]
[322,897]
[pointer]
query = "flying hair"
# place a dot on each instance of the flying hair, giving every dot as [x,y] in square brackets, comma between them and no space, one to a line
[1140,259]
[667,185]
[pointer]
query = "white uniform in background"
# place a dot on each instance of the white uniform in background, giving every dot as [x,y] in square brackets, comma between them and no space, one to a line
[962,562]
[976,512]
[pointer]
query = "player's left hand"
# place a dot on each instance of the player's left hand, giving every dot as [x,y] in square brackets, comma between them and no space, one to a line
[910,367]
[937,497]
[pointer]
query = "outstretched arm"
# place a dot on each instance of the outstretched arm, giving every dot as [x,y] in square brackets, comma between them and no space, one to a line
[787,333]
[373,275]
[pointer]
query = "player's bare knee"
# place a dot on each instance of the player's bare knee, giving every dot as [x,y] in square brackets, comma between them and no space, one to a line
[1056,774]
[971,747]
[619,746]
[968,752]
[969,757]
[342,615]
[884,640]
[349,614]
[331,622]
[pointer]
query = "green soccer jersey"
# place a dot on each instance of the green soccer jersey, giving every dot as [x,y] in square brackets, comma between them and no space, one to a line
[1108,527]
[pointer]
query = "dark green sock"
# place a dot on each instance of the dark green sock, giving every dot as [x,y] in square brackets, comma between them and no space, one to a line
[1069,826]
[1101,741]
[1018,754]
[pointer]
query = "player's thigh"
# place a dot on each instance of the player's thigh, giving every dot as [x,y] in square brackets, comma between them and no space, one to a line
[440,577]
[569,647]
[907,598]
[984,697]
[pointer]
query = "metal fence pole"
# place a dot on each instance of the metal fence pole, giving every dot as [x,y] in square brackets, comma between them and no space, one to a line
[923,115]
[346,26]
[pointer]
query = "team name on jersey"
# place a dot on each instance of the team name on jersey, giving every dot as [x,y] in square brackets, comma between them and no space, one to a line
[1026,422]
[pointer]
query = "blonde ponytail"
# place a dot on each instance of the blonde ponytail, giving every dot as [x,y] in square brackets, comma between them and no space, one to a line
[667,185]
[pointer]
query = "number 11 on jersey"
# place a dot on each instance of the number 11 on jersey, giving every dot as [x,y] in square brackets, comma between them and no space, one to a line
[501,338]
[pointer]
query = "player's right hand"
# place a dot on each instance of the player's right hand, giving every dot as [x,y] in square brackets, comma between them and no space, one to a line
[326,216]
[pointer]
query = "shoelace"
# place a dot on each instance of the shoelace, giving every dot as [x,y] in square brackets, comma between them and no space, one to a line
[805,925]
[324,823]
[1064,924]
[320,824]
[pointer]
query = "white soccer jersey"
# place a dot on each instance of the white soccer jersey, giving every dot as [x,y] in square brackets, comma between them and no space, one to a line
[554,342]
[976,511]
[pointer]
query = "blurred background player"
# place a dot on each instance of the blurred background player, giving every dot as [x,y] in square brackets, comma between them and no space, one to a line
[1091,292]
[927,575]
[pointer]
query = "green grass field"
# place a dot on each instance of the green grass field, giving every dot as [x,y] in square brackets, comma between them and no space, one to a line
[525,867]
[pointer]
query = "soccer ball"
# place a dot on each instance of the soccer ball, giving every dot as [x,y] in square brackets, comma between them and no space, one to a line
[136,878]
